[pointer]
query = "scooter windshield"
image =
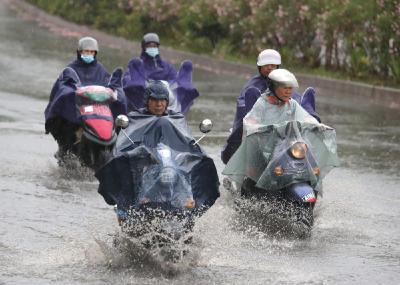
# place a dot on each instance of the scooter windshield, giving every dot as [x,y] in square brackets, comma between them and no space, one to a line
[167,180]
[291,161]
[96,93]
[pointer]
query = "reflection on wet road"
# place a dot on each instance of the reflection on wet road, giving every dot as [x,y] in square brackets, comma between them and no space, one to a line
[56,229]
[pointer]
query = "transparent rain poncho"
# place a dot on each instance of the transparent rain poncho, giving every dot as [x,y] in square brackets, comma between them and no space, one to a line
[269,132]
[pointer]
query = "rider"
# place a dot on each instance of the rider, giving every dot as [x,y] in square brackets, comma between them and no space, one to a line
[267,61]
[156,102]
[273,107]
[149,127]
[87,70]
[150,66]
[153,66]
[276,104]
[156,99]
[262,164]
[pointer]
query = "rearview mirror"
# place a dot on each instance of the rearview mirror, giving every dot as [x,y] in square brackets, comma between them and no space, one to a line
[122,121]
[206,126]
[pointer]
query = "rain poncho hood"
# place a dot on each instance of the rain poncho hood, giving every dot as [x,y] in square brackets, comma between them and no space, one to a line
[264,138]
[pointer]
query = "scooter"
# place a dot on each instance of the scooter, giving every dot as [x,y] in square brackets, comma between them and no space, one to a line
[96,135]
[81,119]
[282,172]
[158,178]
[290,183]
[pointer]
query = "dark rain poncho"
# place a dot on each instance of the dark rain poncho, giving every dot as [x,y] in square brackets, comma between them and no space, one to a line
[123,178]
[182,90]
[62,96]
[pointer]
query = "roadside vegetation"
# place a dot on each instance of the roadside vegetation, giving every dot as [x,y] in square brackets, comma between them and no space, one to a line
[346,39]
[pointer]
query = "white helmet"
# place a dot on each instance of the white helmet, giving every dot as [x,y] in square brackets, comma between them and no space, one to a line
[88,43]
[269,56]
[283,77]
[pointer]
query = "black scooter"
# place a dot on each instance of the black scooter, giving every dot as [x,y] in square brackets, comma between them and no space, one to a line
[158,178]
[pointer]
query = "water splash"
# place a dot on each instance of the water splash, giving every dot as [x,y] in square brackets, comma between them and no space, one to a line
[263,218]
[153,247]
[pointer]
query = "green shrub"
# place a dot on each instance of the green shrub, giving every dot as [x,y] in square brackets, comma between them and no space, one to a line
[360,37]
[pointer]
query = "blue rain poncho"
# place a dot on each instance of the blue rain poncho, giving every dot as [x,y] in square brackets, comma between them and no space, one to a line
[182,90]
[62,96]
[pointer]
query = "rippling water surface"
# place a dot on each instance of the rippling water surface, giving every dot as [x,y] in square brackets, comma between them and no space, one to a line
[56,229]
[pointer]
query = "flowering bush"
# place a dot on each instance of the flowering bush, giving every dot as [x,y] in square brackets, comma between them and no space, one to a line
[361,37]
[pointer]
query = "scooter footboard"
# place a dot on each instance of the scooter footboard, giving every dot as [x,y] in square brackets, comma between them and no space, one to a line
[302,192]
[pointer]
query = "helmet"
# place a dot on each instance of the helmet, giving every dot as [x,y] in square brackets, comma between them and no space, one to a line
[283,77]
[157,90]
[88,43]
[150,38]
[269,56]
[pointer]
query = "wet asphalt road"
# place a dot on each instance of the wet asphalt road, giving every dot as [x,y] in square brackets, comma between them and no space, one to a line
[56,229]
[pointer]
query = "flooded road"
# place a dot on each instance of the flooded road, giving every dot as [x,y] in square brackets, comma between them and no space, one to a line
[56,229]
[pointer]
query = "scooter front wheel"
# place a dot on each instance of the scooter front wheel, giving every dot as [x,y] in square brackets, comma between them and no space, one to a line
[93,155]
[304,219]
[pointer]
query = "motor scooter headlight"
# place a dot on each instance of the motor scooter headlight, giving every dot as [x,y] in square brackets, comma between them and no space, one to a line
[298,150]
[168,176]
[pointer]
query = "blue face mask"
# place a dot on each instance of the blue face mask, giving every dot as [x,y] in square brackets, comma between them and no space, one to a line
[87,58]
[152,51]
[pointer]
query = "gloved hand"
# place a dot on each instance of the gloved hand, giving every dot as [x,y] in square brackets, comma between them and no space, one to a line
[323,127]
[116,79]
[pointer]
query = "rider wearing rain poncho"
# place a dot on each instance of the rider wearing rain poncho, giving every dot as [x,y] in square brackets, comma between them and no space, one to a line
[150,67]
[157,139]
[265,127]
[267,61]
[154,66]
[61,115]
